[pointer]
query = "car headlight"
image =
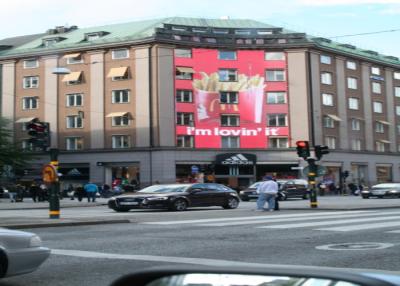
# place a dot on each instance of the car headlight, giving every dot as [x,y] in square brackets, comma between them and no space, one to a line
[364,192]
[393,191]
[241,192]
[35,241]
[157,199]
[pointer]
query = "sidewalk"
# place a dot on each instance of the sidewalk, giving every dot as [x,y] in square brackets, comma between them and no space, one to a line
[74,213]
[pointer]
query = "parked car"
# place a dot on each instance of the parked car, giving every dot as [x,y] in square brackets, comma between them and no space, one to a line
[3,192]
[296,188]
[177,197]
[382,190]
[20,252]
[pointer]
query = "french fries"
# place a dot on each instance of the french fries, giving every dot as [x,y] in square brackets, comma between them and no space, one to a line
[211,83]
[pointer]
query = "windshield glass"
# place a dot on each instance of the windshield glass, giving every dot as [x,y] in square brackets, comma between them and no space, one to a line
[165,189]
[255,185]
[386,186]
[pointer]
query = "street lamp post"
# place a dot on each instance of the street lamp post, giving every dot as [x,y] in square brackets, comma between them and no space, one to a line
[54,200]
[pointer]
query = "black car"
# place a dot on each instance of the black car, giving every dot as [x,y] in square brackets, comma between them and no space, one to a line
[177,197]
[294,188]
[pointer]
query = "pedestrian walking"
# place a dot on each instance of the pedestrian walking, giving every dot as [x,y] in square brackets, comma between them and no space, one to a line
[42,192]
[34,191]
[80,192]
[267,191]
[71,192]
[91,190]
[12,193]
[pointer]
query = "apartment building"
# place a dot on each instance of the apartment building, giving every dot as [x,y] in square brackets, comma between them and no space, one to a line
[178,99]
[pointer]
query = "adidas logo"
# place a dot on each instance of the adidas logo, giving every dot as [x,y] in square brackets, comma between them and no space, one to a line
[237,159]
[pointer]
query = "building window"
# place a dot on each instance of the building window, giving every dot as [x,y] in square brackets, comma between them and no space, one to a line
[92,36]
[375,70]
[327,99]
[74,121]
[397,91]
[120,96]
[26,145]
[31,82]
[379,127]
[228,75]
[351,65]
[210,40]
[120,120]
[378,107]
[356,144]
[50,42]
[277,120]
[278,142]
[376,87]
[121,141]
[351,83]
[24,126]
[276,97]
[185,141]
[326,59]
[226,55]
[74,99]
[75,60]
[326,78]
[396,75]
[328,122]
[74,143]
[184,118]
[183,74]
[355,124]
[183,53]
[230,142]
[229,97]
[353,103]
[275,75]
[380,146]
[330,141]
[229,120]
[30,102]
[398,110]
[31,64]
[274,56]
[184,95]
[120,54]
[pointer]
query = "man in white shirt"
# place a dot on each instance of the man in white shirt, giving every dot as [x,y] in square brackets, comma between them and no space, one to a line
[267,191]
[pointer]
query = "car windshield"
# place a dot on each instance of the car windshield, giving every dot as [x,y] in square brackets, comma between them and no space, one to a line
[386,186]
[165,189]
[255,185]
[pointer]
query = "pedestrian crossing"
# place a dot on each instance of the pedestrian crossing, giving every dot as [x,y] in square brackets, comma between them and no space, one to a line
[334,221]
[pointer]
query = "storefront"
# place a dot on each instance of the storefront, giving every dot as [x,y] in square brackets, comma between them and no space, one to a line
[117,173]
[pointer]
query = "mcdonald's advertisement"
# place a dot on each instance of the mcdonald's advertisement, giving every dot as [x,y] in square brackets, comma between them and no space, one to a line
[233,106]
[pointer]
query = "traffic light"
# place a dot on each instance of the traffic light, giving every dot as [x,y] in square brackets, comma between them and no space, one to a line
[303,149]
[346,174]
[320,151]
[39,133]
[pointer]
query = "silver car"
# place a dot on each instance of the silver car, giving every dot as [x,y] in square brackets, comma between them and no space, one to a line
[20,252]
[382,190]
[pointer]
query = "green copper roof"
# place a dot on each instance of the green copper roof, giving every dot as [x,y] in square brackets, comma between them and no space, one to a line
[120,33]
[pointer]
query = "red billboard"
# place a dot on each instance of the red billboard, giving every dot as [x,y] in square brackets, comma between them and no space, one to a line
[227,103]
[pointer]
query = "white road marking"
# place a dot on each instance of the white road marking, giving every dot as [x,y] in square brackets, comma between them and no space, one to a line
[344,221]
[294,225]
[250,218]
[362,226]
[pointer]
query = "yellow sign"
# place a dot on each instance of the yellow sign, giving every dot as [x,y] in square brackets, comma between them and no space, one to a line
[49,174]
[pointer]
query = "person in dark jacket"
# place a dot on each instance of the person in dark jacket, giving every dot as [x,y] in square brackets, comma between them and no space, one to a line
[34,190]
[80,192]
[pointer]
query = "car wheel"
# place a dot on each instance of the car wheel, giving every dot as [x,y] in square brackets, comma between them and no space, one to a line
[283,197]
[3,264]
[232,203]
[365,197]
[180,205]
[121,210]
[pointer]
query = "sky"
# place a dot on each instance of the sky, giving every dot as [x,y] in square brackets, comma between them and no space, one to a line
[335,19]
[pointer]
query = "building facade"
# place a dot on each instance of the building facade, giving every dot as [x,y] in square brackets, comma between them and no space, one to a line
[181,99]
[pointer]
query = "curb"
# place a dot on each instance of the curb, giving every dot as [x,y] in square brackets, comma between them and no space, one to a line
[62,224]
[47,207]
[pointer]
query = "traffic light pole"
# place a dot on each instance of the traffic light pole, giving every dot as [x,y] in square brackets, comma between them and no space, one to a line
[54,200]
[312,174]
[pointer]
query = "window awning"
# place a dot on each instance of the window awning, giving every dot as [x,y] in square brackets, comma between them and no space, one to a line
[185,69]
[74,76]
[334,117]
[118,114]
[384,122]
[117,72]
[25,119]
[358,118]
[71,56]
[385,141]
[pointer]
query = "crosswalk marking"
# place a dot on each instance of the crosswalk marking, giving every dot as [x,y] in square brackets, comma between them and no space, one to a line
[362,226]
[251,218]
[346,221]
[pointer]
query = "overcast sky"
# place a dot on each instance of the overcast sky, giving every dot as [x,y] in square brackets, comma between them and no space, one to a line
[327,18]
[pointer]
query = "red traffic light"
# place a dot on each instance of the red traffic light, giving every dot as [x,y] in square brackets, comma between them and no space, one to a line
[302,144]
[303,149]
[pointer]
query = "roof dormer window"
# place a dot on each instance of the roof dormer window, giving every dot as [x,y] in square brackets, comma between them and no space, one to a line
[95,35]
[50,42]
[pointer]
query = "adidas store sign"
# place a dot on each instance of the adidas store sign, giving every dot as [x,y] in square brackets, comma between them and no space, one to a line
[236,159]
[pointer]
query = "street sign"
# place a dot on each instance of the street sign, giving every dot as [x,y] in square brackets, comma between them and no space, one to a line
[296,168]
[195,169]
[49,174]
[321,171]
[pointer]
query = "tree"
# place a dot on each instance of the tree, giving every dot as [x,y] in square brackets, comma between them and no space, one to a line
[12,157]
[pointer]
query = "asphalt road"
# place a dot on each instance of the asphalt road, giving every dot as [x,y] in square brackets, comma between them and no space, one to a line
[97,255]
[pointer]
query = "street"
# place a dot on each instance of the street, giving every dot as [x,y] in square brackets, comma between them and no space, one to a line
[98,254]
